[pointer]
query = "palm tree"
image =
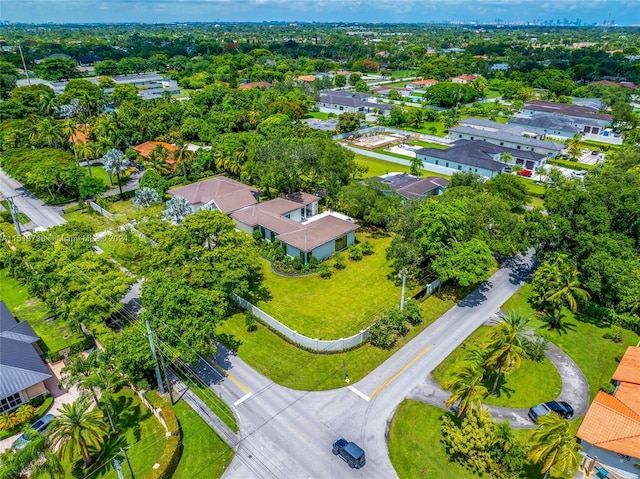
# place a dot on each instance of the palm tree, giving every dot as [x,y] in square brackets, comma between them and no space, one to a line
[86,151]
[183,157]
[48,463]
[76,429]
[177,208]
[553,445]
[115,162]
[157,160]
[506,344]
[416,165]
[466,387]
[93,374]
[540,171]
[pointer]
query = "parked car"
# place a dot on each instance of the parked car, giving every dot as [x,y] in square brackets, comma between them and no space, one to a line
[350,453]
[594,152]
[37,427]
[527,173]
[578,174]
[563,409]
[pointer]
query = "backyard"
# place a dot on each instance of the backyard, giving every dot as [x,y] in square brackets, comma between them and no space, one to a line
[337,307]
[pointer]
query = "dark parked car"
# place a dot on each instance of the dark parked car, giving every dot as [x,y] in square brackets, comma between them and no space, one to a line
[350,453]
[37,427]
[563,409]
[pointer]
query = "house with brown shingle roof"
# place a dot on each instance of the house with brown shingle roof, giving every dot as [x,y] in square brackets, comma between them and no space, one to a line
[294,220]
[610,431]
[256,84]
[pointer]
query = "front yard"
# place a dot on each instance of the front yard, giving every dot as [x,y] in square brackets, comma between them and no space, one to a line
[337,307]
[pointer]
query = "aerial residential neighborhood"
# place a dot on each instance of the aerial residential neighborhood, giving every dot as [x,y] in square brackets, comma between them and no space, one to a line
[275,240]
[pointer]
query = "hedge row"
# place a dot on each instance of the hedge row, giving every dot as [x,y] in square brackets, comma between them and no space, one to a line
[572,165]
[173,447]
[86,343]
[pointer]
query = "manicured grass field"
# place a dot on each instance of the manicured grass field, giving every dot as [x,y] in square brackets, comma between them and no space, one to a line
[298,369]
[204,454]
[55,336]
[415,449]
[91,218]
[582,339]
[319,115]
[532,383]
[378,167]
[438,125]
[491,94]
[426,144]
[339,306]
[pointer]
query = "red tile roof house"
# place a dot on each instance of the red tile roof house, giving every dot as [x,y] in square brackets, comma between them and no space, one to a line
[464,79]
[293,220]
[256,84]
[610,431]
[417,84]
[145,149]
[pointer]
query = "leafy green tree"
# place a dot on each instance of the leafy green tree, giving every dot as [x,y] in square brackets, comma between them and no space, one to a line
[131,355]
[361,86]
[510,188]
[48,463]
[553,445]
[151,179]
[416,166]
[467,388]
[506,344]
[339,81]
[115,162]
[58,68]
[76,430]
[348,122]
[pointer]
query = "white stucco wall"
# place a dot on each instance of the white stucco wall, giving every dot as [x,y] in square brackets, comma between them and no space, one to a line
[458,166]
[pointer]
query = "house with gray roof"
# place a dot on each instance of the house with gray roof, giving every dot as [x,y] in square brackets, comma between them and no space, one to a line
[481,157]
[22,371]
[294,220]
[341,101]
[516,137]
[587,119]
[409,186]
[551,124]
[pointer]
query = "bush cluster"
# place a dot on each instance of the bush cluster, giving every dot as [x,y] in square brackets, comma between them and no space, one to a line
[86,343]
[22,415]
[394,324]
[173,446]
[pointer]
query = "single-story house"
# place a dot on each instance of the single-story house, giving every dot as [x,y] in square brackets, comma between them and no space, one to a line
[306,78]
[509,136]
[416,84]
[22,371]
[294,221]
[255,84]
[220,193]
[145,149]
[463,79]
[548,124]
[409,186]
[484,158]
[587,119]
[352,102]
[610,431]
[499,67]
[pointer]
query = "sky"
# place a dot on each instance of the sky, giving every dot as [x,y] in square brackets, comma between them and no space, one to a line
[621,12]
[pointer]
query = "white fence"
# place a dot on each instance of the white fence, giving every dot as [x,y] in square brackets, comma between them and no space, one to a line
[100,210]
[300,339]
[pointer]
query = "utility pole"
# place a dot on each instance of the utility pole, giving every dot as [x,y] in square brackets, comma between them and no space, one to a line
[26,72]
[126,458]
[166,375]
[117,465]
[403,274]
[13,209]
[155,357]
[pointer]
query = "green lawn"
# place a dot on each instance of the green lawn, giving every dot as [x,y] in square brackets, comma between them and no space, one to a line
[378,167]
[91,218]
[532,383]
[22,218]
[426,144]
[403,73]
[492,94]
[298,369]
[99,172]
[204,454]
[582,339]
[318,115]
[415,449]
[438,125]
[55,336]
[339,306]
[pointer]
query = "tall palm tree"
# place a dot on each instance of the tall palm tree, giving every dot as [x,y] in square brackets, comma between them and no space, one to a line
[157,160]
[183,157]
[565,289]
[93,375]
[506,344]
[540,171]
[115,162]
[76,429]
[467,388]
[553,445]
[85,151]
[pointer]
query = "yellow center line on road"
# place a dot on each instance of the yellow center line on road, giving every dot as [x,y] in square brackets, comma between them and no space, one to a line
[406,366]
[226,373]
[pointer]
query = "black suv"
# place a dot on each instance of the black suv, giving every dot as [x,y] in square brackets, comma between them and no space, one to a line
[350,453]
[561,408]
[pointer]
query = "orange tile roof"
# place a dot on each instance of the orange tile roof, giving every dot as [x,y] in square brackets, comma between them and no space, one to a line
[425,82]
[145,149]
[612,425]
[465,77]
[628,370]
[255,84]
[81,134]
[307,78]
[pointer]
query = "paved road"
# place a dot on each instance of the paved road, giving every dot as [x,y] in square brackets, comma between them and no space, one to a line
[288,434]
[40,214]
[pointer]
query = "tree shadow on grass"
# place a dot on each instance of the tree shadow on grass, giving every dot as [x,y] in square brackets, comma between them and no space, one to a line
[103,459]
[561,326]
[501,389]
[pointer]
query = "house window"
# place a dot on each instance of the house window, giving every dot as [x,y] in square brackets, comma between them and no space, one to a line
[447,165]
[288,215]
[472,138]
[341,243]
[459,136]
[502,143]
[460,167]
[436,162]
[476,170]
[518,147]
[10,402]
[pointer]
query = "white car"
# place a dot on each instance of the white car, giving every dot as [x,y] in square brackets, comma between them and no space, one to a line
[578,174]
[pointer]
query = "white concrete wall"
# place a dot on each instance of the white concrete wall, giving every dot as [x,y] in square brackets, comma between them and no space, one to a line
[458,166]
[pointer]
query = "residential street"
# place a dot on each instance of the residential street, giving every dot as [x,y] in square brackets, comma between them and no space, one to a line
[288,434]
[27,203]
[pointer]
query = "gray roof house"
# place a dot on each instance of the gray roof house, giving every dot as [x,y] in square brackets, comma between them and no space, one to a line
[22,371]
[479,157]
[352,102]
[551,124]
[409,186]
[587,119]
[510,136]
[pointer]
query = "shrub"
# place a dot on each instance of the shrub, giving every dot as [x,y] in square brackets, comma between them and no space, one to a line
[325,271]
[257,235]
[355,253]
[280,253]
[313,263]
[536,349]
[152,179]
[250,321]
[381,335]
[297,263]
[7,421]
[615,335]
[412,311]
[367,248]
[338,262]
